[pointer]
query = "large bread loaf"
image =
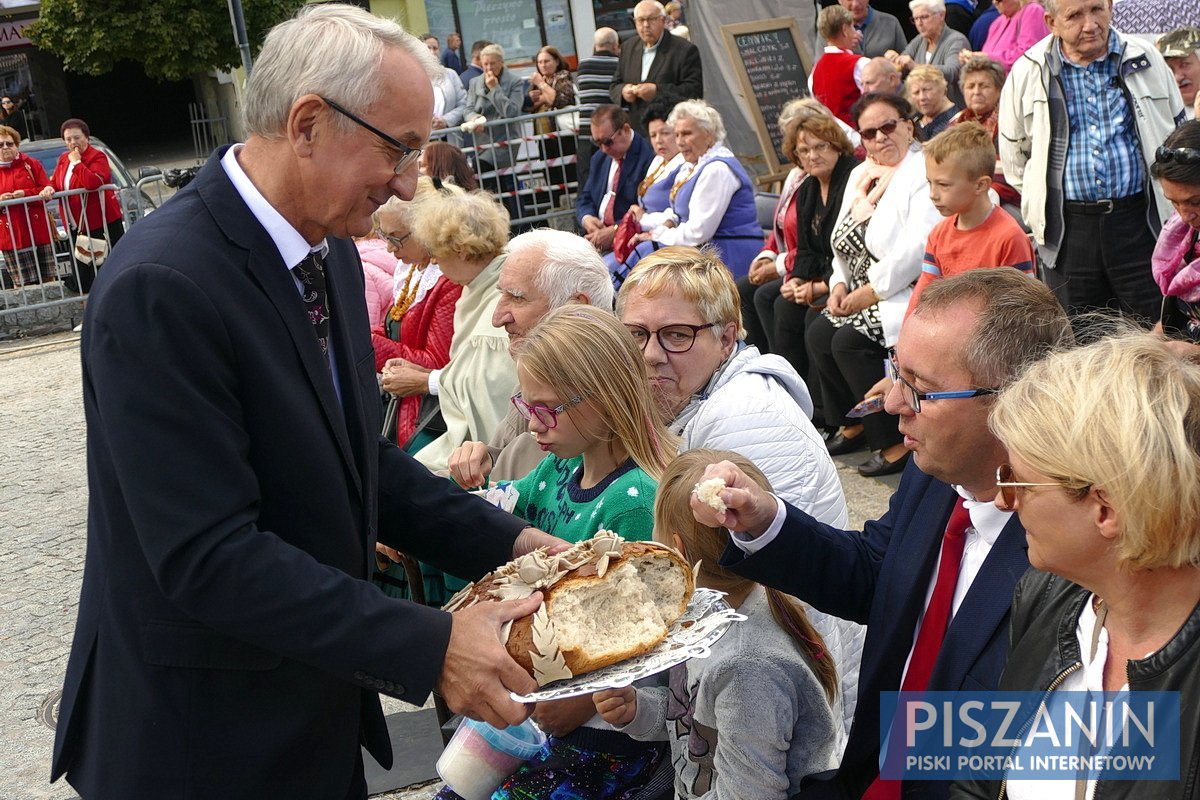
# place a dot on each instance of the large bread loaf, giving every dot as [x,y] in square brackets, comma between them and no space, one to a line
[604,600]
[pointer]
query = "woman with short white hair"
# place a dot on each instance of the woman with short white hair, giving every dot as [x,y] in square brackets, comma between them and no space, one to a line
[935,44]
[712,197]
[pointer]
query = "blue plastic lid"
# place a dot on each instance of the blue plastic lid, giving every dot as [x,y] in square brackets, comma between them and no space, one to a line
[521,741]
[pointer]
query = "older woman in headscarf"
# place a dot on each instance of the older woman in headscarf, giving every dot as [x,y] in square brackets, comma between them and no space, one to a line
[712,197]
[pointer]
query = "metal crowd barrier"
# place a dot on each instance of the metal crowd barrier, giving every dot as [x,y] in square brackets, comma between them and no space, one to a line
[533,174]
[49,274]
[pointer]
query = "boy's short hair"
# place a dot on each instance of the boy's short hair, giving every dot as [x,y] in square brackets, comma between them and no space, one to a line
[831,20]
[968,146]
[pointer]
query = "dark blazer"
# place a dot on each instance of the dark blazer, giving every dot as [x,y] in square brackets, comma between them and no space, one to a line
[633,169]
[676,69]
[879,578]
[228,643]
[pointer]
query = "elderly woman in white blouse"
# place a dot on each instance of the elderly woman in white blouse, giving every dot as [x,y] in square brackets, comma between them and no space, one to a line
[712,197]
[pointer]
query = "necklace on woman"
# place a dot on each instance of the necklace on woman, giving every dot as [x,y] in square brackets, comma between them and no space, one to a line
[679,182]
[406,295]
[649,180]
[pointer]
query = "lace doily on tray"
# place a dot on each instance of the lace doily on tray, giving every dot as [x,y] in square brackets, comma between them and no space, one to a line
[691,636]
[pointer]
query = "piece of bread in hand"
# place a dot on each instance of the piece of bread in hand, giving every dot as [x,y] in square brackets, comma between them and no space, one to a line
[605,600]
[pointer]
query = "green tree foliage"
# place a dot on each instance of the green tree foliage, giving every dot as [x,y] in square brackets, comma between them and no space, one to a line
[172,39]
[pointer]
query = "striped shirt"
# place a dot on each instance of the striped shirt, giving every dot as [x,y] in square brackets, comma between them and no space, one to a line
[1103,157]
[592,80]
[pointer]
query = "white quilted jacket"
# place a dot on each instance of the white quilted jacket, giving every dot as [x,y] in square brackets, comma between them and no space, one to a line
[758,405]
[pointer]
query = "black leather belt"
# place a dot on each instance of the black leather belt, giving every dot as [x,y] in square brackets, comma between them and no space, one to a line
[1103,207]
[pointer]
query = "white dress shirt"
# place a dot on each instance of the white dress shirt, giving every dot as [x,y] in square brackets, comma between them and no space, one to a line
[292,247]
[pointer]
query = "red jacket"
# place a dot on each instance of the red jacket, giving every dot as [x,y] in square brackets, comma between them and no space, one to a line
[19,220]
[833,83]
[425,334]
[92,172]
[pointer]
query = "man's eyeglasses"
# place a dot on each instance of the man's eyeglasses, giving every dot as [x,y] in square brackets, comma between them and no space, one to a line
[395,241]
[1008,487]
[887,129]
[408,155]
[922,17]
[607,141]
[1180,155]
[647,20]
[545,414]
[913,397]
[677,338]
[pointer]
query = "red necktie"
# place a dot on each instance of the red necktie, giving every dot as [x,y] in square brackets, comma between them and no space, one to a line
[609,218]
[930,635]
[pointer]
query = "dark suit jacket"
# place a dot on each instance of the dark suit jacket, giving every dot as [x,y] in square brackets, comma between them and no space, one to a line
[676,69]
[228,643]
[633,169]
[879,577]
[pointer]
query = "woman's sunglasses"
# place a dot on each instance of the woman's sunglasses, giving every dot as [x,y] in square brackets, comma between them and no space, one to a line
[1180,155]
[887,129]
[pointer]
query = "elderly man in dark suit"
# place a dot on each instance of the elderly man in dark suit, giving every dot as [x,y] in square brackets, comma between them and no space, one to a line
[654,61]
[617,168]
[933,579]
[228,643]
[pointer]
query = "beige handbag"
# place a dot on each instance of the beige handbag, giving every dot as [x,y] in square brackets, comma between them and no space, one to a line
[89,250]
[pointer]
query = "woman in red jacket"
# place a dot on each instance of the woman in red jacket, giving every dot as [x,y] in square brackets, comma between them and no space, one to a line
[24,227]
[87,167]
[420,325]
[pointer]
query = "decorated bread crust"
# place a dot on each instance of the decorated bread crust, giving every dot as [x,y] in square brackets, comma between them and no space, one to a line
[612,599]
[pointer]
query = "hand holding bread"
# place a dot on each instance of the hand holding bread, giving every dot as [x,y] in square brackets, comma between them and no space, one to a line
[605,601]
[477,674]
[748,507]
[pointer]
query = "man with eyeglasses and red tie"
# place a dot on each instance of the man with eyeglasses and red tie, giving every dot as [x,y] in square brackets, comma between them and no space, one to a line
[618,166]
[933,578]
[228,642]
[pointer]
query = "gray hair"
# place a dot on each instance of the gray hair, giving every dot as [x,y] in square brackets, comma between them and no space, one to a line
[569,265]
[606,38]
[1020,321]
[704,115]
[662,10]
[981,63]
[332,50]
[492,50]
[934,6]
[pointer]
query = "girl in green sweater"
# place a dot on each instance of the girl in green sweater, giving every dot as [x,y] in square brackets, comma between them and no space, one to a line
[585,393]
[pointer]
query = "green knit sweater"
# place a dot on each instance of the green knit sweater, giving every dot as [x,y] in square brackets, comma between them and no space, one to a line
[551,499]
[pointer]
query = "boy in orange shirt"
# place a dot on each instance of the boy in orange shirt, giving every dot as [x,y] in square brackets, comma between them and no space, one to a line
[959,163]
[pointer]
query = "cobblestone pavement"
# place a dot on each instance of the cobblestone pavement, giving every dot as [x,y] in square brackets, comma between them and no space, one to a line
[43,500]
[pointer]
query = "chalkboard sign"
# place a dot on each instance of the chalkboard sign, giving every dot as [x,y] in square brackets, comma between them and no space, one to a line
[772,63]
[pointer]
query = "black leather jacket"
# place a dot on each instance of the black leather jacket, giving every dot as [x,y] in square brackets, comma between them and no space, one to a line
[1045,649]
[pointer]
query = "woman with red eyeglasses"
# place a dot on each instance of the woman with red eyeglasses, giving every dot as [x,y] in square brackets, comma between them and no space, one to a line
[588,404]
[1176,259]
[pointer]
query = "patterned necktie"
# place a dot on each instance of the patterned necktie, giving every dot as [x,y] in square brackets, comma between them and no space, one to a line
[311,274]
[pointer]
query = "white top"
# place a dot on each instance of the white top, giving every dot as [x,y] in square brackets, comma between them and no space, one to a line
[1088,679]
[716,185]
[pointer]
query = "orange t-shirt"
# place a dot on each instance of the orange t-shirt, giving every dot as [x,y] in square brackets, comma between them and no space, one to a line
[997,242]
